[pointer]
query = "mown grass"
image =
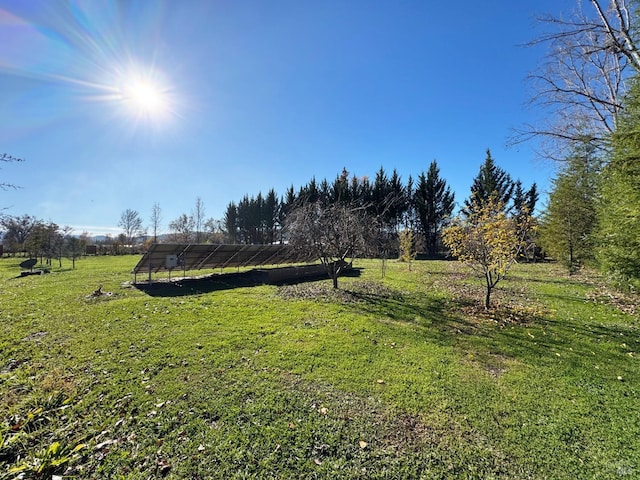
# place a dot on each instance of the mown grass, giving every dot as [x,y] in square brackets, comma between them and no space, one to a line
[401,377]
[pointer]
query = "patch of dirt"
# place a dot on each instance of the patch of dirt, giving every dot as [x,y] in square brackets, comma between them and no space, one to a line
[99,294]
[35,336]
[12,365]
[495,365]
[495,371]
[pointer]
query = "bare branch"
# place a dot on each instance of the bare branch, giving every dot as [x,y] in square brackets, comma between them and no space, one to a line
[580,86]
[5,157]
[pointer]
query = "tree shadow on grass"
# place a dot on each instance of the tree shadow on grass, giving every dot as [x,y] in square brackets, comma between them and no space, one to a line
[437,315]
[529,336]
[566,281]
[573,343]
[228,281]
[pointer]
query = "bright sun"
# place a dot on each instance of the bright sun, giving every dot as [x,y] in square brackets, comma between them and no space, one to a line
[145,98]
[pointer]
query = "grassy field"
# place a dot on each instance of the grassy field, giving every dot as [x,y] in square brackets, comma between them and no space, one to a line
[395,377]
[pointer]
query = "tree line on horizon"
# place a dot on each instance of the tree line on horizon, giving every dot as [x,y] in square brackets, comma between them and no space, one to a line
[423,206]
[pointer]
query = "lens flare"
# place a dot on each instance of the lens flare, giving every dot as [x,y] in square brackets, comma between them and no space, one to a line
[81,57]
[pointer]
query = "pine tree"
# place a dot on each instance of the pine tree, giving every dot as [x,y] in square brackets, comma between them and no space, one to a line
[434,203]
[619,209]
[569,220]
[380,193]
[397,201]
[231,223]
[490,181]
[271,213]
[340,188]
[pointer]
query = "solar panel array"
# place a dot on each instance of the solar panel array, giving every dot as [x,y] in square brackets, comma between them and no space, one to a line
[196,256]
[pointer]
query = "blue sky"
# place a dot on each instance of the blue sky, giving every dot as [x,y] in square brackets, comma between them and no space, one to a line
[243,96]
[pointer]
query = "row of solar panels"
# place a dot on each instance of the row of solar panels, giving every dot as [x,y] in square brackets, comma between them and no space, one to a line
[190,256]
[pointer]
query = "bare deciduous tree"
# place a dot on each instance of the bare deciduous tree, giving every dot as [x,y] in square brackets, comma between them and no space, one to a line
[156,219]
[182,228]
[198,219]
[332,233]
[131,225]
[74,248]
[214,231]
[592,52]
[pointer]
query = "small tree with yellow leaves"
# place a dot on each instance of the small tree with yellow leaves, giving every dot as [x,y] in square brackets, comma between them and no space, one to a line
[489,241]
[408,247]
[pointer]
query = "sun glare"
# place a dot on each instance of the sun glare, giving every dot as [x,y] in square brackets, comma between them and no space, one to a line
[143,97]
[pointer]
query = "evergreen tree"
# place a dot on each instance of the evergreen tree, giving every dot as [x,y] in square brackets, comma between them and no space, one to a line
[271,213]
[340,189]
[231,223]
[309,193]
[569,220]
[244,220]
[361,191]
[491,181]
[524,202]
[409,217]
[434,203]
[531,198]
[397,201]
[380,192]
[619,209]
[519,201]
[257,219]
[324,192]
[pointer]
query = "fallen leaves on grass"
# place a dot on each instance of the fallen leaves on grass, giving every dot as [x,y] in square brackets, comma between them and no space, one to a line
[506,313]
[355,292]
[625,302]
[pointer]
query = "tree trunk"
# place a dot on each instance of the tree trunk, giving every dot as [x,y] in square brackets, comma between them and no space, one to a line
[333,272]
[487,298]
[571,267]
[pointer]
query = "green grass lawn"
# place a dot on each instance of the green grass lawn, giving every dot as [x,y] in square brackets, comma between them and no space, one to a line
[395,377]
